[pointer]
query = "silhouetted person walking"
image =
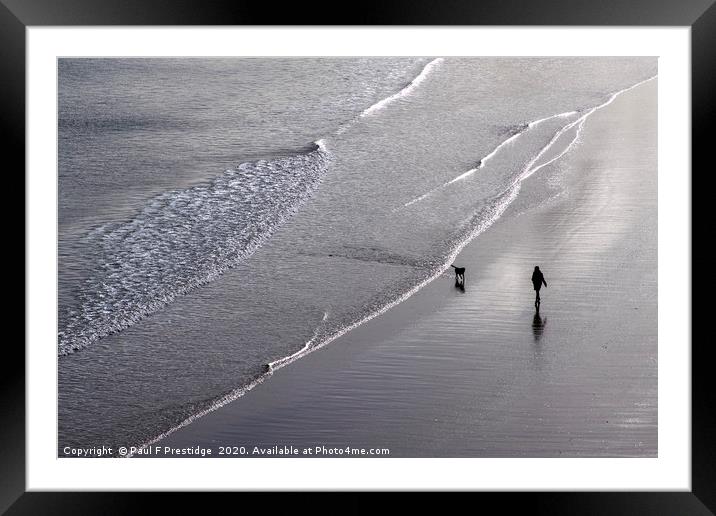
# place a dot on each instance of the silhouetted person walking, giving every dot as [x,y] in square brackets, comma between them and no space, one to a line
[537,280]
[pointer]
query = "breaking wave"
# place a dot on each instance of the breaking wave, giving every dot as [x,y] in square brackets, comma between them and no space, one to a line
[185,238]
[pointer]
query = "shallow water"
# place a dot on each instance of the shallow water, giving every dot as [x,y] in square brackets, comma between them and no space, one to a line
[206,276]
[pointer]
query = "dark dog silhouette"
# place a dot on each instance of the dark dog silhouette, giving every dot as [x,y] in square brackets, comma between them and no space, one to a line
[459,276]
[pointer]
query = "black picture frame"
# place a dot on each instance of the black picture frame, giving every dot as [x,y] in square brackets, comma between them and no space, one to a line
[700,15]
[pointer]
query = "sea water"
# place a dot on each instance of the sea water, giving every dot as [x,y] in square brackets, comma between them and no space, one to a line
[219,218]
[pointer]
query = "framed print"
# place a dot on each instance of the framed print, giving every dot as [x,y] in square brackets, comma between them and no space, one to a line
[447,249]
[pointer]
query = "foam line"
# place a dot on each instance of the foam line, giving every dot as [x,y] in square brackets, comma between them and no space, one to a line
[580,125]
[566,149]
[530,125]
[464,175]
[155,257]
[410,88]
[224,400]
[277,364]
[559,115]
[487,158]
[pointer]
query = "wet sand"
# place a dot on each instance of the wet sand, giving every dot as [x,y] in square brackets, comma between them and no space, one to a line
[479,374]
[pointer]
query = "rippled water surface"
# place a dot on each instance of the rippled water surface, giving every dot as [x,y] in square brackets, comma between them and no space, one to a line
[219,215]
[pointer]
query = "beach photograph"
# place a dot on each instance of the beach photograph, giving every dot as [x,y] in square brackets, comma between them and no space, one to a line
[345,257]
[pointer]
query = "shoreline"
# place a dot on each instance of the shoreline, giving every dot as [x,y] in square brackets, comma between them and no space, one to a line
[504,201]
[431,299]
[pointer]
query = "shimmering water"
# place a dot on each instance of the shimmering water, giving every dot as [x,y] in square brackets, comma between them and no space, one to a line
[219,215]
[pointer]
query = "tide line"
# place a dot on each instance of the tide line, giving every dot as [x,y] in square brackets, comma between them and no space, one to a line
[488,157]
[528,126]
[580,125]
[410,88]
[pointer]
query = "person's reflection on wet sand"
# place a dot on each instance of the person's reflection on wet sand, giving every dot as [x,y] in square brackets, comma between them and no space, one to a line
[538,326]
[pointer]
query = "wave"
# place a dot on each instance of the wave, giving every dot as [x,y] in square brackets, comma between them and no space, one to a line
[484,160]
[277,364]
[239,392]
[409,89]
[406,91]
[579,122]
[185,238]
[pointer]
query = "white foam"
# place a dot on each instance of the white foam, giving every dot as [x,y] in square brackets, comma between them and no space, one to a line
[237,393]
[558,115]
[409,89]
[464,175]
[580,124]
[494,152]
[530,125]
[487,158]
[138,275]
[228,398]
[277,364]
[418,198]
[580,121]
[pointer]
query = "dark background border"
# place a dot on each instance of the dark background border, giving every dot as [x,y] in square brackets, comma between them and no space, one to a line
[700,15]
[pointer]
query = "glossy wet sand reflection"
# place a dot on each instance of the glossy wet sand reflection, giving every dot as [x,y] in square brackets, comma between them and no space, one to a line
[478,373]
